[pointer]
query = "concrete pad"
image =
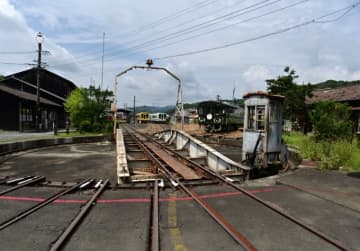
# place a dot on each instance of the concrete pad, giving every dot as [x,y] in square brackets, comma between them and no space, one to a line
[65,163]
[114,225]
[334,220]
[263,227]
[186,226]
[340,188]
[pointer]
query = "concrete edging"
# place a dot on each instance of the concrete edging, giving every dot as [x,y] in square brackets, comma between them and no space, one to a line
[8,148]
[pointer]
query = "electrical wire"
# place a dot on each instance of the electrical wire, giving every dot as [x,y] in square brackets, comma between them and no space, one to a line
[159,22]
[209,23]
[315,20]
[13,63]
[214,21]
[17,52]
[221,28]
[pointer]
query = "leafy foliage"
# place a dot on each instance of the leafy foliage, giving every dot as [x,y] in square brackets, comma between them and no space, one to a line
[88,108]
[338,155]
[331,121]
[294,107]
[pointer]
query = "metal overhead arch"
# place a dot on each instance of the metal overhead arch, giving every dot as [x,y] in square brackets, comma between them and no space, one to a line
[179,104]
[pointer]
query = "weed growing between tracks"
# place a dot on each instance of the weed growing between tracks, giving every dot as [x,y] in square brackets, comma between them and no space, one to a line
[338,155]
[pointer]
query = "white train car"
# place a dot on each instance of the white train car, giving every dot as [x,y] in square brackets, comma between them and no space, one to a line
[159,117]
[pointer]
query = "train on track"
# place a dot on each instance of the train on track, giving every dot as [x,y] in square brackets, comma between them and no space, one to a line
[145,117]
[218,116]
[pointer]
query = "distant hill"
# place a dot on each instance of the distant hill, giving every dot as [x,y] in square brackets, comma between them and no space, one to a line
[335,83]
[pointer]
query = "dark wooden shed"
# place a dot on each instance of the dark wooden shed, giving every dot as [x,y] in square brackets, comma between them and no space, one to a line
[18,98]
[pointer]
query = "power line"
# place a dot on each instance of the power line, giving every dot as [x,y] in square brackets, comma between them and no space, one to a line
[231,15]
[196,27]
[13,63]
[17,52]
[214,21]
[221,28]
[316,20]
[176,14]
[191,20]
[160,21]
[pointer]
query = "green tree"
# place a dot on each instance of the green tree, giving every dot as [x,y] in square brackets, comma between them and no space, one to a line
[331,121]
[88,108]
[295,108]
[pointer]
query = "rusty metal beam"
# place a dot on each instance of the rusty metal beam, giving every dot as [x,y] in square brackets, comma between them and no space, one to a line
[78,218]
[155,219]
[36,207]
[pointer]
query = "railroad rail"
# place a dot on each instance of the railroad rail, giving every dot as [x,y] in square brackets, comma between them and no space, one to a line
[163,166]
[61,240]
[40,205]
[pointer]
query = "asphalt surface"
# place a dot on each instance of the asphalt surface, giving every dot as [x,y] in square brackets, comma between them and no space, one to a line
[65,163]
[120,219]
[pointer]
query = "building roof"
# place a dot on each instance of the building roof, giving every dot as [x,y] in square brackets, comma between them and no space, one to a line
[21,73]
[264,94]
[341,94]
[26,95]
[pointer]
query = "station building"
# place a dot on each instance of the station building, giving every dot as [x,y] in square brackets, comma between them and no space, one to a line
[18,100]
[347,94]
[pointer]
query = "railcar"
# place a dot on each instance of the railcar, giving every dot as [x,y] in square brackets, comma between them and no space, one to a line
[142,117]
[159,117]
[218,116]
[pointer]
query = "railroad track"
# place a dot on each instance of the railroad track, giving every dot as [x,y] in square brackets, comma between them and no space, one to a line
[171,168]
[98,186]
[167,166]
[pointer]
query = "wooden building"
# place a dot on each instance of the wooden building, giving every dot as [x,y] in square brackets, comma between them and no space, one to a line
[347,94]
[18,100]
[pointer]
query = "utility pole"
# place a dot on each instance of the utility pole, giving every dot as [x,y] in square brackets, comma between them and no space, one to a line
[102,62]
[134,113]
[39,39]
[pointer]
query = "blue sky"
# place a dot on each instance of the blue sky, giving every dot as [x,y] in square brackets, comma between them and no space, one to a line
[73,35]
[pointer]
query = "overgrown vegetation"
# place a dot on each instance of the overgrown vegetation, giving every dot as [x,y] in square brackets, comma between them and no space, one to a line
[88,108]
[331,121]
[332,143]
[338,155]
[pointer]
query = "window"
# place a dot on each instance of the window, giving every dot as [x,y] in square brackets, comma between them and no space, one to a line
[26,114]
[256,117]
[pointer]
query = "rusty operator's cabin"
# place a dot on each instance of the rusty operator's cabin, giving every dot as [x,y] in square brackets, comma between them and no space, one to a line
[18,100]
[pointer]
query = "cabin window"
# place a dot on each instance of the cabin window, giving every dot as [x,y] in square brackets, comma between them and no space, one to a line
[256,117]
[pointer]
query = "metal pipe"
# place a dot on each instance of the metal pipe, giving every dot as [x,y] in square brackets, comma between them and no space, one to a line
[179,102]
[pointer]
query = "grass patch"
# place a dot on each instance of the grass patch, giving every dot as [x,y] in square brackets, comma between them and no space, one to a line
[339,155]
[77,134]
